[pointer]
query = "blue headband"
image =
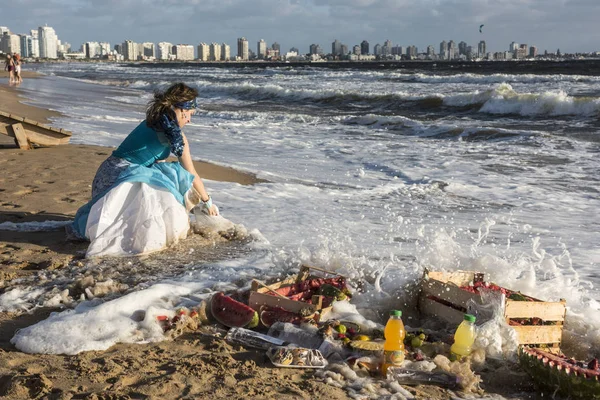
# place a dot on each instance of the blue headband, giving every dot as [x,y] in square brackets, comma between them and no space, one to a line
[187,105]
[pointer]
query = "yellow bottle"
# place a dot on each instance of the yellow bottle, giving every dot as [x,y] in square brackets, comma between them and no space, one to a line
[464,337]
[393,348]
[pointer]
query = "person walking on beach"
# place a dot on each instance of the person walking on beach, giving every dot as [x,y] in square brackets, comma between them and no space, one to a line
[17,68]
[9,65]
[139,203]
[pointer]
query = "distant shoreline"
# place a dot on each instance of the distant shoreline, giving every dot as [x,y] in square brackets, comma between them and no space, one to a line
[567,67]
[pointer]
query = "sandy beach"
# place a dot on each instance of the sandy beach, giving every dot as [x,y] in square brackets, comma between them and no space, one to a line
[51,184]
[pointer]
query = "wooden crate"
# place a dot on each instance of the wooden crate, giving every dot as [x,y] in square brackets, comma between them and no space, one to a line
[260,294]
[442,297]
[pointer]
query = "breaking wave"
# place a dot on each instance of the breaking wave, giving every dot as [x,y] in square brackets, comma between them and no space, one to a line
[503,99]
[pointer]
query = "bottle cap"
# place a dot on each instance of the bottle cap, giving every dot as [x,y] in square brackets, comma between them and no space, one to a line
[395,313]
[469,317]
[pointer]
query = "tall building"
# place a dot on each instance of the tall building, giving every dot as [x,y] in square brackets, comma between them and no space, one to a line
[215,52]
[118,49]
[164,50]
[462,49]
[35,43]
[377,50]
[522,52]
[261,49]
[452,50]
[386,50]
[129,49]
[62,48]
[513,46]
[364,47]
[343,50]
[315,49]
[431,51]
[10,43]
[185,52]
[412,51]
[444,50]
[533,52]
[3,30]
[242,49]
[24,44]
[336,48]
[225,52]
[276,47]
[48,42]
[104,48]
[92,49]
[356,50]
[149,50]
[481,49]
[203,52]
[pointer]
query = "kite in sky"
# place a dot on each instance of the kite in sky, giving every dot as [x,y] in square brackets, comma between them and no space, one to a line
[480,26]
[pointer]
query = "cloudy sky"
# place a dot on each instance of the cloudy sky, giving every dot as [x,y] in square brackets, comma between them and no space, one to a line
[571,25]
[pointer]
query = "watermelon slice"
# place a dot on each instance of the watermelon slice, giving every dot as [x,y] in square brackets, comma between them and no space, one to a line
[230,312]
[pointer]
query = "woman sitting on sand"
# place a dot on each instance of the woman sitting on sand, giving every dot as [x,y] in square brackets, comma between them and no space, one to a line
[139,203]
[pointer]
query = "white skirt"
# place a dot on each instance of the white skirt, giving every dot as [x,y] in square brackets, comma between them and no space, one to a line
[135,218]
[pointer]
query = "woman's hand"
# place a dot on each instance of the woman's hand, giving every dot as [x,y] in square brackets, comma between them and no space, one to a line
[213,211]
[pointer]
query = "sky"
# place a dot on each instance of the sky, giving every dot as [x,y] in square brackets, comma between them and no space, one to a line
[568,25]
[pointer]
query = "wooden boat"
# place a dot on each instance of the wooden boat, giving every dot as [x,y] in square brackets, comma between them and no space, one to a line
[27,132]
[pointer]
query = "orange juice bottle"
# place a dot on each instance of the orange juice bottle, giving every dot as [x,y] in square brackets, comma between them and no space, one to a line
[464,338]
[393,348]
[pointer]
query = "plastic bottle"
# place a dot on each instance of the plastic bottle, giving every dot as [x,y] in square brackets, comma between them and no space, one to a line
[249,338]
[406,376]
[464,337]
[393,348]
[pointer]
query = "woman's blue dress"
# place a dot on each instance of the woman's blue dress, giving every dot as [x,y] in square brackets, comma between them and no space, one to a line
[137,159]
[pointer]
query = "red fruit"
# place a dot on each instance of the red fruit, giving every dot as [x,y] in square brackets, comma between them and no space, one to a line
[230,312]
[162,317]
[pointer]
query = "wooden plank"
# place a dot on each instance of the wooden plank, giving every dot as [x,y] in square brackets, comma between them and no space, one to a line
[257,300]
[539,334]
[43,140]
[449,292]
[459,278]
[21,139]
[438,310]
[256,287]
[16,117]
[30,121]
[548,311]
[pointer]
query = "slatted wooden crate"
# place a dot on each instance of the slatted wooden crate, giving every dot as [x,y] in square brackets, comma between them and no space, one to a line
[262,295]
[441,296]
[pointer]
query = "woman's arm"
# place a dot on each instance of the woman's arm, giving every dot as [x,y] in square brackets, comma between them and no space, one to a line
[186,161]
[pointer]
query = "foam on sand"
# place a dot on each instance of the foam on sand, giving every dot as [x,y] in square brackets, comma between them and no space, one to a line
[129,319]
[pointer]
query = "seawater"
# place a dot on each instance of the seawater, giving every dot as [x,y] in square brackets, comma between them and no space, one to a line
[380,173]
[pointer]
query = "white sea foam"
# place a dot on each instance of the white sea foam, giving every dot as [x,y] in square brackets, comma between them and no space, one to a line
[34,226]
[503,99]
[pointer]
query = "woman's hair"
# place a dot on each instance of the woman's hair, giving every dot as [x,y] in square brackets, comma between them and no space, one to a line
[163,103]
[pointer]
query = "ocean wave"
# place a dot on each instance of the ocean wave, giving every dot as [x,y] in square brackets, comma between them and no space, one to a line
[492,78]
[261,92]
[434,130]
[504,100]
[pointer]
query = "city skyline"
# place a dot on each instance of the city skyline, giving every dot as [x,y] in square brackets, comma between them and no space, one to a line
[550,25]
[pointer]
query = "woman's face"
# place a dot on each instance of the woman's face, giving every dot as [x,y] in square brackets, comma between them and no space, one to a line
[184,116]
